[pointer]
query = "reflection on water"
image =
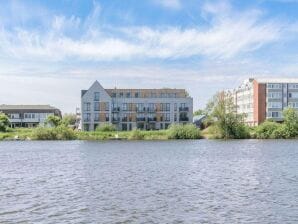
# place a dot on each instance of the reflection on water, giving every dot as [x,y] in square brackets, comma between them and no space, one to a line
[149,182]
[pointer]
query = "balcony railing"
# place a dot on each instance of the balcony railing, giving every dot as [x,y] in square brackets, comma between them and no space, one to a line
[141,119]
[183,109]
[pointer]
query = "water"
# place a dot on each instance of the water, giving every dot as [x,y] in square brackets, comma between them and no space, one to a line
[149,182]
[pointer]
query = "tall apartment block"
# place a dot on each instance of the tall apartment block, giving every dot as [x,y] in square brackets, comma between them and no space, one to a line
[127,109]
[262,99]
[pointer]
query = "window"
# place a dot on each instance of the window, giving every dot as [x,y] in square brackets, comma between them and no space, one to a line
[293,104]
[136,95]
[86,106]
[107,117]
[124,106]
[275,105]
[107,106]
[274,86]
[140,107]
[128,94]
[293,86]
[175,106]
[96,96]
[86,116]
[121,94]
[96,117]
[274,95]
[168,117]
[293,95]
[274,114]
[175,117]
[96,106]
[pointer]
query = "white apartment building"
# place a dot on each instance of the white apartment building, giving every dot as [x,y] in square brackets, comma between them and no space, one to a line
[261,99]
[127,109]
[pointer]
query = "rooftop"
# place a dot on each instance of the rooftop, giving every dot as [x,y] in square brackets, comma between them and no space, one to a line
[26,107]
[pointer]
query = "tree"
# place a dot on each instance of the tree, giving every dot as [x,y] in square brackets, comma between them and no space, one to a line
[69,119]
[4,122]
[53,120]
[291,122]
[222,110]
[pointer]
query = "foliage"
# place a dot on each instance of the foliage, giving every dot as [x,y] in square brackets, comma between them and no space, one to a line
[271,129]
[4,122]
[291,122]
[187,131]
[199,112]
[229,124]
[57,133]
[69,119]
[136,135]
[106,127]
[53,121]
[266,129]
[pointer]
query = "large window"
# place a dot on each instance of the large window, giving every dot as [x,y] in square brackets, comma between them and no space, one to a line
[124,107]
[96,117]
[96,106]
[96,96]
[86,106]
[293,86]
[86,117]
[293,104]
[168,117]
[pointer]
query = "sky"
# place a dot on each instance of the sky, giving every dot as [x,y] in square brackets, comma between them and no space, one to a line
[51,49]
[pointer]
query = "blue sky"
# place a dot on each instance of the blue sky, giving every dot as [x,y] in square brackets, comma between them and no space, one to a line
[49,50]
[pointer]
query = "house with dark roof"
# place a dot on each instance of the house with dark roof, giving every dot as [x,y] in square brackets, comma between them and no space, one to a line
[28,115]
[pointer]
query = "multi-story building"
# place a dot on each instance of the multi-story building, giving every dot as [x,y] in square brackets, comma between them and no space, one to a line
[262,99]
[127,109]
[28,115]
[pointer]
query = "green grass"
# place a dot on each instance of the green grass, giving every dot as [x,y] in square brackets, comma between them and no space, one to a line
[63,133]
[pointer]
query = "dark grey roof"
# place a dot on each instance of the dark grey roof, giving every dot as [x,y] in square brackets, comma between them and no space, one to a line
[83,92]
[26,107]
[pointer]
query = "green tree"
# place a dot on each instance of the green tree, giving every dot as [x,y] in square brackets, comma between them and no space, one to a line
[291,122]
[53,121]
[4,122]
[222,110]
[68,119]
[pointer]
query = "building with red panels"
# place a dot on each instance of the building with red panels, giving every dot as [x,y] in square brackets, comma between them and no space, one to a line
[263,98]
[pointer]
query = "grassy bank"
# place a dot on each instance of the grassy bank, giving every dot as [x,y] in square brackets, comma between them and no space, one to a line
[64,133]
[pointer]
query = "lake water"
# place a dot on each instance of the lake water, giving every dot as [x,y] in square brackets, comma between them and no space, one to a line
[200,181]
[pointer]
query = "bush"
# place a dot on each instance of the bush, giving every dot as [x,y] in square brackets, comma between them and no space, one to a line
[4,122]
[188,131]
[57,133]
[136,135]
[266,130]
[106,128]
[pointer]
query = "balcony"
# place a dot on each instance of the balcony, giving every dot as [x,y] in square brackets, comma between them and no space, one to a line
[183,109]
[115,119]
[141,119]
[183,119]
[152,119]
[116,109]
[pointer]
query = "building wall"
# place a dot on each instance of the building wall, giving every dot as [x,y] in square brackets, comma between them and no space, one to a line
[146,110]
[265,99]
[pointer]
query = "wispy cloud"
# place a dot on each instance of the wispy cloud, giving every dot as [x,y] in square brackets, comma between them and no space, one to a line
[227,36]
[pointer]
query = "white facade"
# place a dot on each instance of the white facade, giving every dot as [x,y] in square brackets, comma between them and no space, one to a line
[129,110]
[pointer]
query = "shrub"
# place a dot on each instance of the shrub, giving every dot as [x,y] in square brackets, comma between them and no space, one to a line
[106,128]
[188,131]
[57,133]
[4,122]
[136,135]
[266,129]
